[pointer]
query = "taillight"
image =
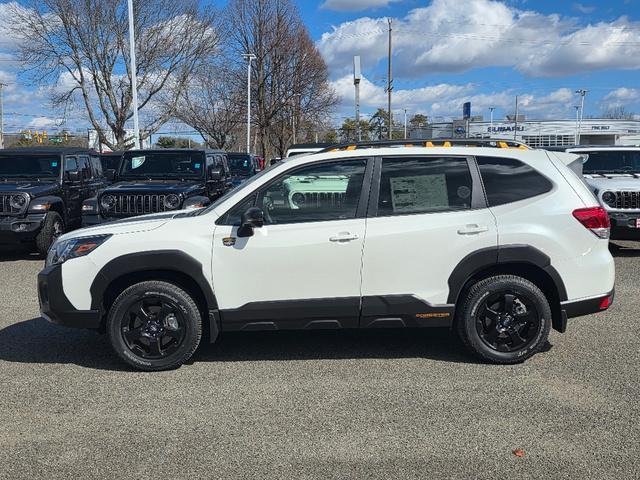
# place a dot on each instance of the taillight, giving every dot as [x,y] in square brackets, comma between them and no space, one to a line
[595,219]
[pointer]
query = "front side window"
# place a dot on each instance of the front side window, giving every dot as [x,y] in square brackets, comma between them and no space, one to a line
[140,164]
[314,193]
[85,169]
[413,185]
[508,180]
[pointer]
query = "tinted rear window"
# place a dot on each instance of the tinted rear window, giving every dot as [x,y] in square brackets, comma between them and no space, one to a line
[507,180]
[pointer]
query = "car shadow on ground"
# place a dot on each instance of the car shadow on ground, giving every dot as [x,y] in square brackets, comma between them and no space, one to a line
[15,253]
[625,249]
[37,341]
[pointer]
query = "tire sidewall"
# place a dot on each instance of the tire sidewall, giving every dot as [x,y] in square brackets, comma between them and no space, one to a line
[476,300]
[138,292]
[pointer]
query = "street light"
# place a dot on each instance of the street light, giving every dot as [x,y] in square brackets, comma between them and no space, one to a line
[249,57]
[575,138]
[405,123]
[491,109]
[582,92]
[134,76]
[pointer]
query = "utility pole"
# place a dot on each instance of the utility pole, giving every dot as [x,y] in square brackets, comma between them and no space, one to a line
[250,57]
[491,109]
[515,129]
[582,92]
[134,76]
[405,123]
[357,76]
[389,85]
[2,85]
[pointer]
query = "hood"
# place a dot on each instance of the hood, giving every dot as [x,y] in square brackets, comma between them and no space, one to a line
[613,182]
[35,189]
[156,186]
[142,223]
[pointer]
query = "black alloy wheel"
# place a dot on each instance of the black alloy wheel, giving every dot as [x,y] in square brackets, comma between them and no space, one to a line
[504,319]
[153,328]
[507,322]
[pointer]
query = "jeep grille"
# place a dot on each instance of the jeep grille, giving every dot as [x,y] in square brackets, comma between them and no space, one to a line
[5,205]
[627,200]
[323,199]
[131,204]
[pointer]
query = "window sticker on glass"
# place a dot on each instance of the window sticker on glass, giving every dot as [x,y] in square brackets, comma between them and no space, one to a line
[137,162]
[196,166]
[54,164]
[418,193]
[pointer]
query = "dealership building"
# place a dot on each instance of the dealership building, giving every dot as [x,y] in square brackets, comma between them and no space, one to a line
[539,133]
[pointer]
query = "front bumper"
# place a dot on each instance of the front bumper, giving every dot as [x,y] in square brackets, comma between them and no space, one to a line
[56,308]
[624,226]
[20,229]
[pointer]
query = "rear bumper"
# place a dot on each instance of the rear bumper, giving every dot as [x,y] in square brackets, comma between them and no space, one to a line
[56,308]
[20,229]
[579,308]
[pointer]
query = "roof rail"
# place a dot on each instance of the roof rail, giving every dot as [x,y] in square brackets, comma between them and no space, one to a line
[430,143]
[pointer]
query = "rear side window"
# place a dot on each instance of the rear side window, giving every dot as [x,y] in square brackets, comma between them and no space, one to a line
[508,180]
[424,184]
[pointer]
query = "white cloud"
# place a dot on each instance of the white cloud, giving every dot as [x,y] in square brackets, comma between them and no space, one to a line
[454,36]
[621,95]
[355,5]
[584,8]
[44,122]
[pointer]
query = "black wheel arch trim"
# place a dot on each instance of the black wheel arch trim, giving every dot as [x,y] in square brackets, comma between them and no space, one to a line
[489,257]
[154,260]
[57,205]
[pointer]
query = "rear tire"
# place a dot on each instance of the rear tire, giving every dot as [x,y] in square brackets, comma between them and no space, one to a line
[52,228]
[154,326]
[504,319]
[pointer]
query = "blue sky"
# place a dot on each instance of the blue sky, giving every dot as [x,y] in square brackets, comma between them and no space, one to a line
[446,52]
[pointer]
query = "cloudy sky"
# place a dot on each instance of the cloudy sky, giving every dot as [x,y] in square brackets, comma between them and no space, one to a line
[446,52]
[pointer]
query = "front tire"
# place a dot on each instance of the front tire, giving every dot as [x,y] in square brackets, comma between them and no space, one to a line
[504,319]
[52,228]
[154,326]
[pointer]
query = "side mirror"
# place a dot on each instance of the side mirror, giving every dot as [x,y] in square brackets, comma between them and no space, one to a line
[73,176]
[110,174]
[215,174]
[252,218]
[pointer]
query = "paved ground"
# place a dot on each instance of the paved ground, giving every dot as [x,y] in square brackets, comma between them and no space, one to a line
[323,405]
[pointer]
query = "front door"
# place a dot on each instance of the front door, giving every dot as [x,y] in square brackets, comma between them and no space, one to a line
[429,214]
[73,191]
[302,269]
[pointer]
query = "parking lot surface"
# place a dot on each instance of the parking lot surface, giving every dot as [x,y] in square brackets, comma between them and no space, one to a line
[385,404]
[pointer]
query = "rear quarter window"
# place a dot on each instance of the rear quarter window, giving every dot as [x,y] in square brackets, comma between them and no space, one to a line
[508,180]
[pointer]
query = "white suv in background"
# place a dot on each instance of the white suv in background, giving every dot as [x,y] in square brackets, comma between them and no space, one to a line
[491,239]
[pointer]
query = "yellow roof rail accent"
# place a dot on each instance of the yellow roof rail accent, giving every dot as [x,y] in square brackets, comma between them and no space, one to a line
[523,147]
[351,147]
[446,144]
[428,144]
[503,145]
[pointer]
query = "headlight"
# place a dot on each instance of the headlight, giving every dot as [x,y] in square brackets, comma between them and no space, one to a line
[609,198]
[298,199]
[171,201]
[107,202]
[18,201]
[64,250]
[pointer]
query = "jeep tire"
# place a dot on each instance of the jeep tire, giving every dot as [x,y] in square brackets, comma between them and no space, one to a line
[52,228]
[154,325]
[504,319]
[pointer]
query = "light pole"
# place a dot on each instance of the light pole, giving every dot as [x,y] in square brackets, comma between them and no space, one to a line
[582,92]
[575,137]
[2,85]
[491,109]
[357,76]
[250,57]
[405,123]
[134,76]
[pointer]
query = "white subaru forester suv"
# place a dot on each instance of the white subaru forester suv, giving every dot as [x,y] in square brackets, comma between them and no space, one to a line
[493,240]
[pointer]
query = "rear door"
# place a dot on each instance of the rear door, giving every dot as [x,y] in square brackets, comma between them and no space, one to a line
[426,214]
[72,189]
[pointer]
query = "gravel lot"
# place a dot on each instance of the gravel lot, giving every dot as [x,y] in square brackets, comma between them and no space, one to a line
[388,404]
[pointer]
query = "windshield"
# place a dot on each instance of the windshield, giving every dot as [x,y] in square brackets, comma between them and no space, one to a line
[612,161]
[36,166]
[162,165]
[240,164]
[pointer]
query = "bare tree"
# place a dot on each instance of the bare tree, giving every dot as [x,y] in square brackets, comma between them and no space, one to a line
[289,77]
[618,112]
[83,47]
[213,106]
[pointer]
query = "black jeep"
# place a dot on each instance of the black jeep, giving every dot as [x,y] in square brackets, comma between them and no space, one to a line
[151,181]
[42,190]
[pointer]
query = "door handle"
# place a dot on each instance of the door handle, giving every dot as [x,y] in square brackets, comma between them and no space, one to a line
[472,229]
[344,237]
